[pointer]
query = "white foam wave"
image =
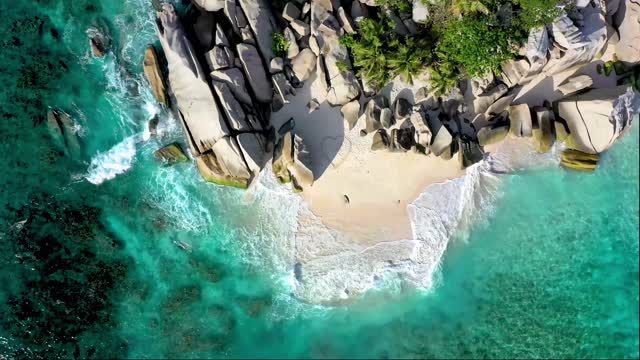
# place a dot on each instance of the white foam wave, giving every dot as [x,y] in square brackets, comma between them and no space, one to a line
[117,160]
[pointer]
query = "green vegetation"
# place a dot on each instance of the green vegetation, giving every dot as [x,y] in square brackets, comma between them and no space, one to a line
[464,38]
[279,44]
[401,6]
[380,54]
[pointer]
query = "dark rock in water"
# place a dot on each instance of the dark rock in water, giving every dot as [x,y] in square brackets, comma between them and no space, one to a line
[470,153]
[99,42]
[171,154]
[152,125]
[63,132]
[380,140]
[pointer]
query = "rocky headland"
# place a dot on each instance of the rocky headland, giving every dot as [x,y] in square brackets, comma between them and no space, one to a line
[260,85]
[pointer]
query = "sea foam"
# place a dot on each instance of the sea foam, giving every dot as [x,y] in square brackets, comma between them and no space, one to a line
[117,160]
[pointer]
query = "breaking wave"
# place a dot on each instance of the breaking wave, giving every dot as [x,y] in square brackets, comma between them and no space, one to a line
[117,160]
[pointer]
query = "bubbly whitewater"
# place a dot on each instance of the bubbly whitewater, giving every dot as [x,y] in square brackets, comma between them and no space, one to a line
[135,259]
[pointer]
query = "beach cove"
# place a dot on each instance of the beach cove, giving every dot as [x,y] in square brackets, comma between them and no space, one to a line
[131,258]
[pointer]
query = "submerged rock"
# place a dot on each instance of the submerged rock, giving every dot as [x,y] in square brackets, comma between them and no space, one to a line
[171,154]
[99,41]
[63,131]
[577,160]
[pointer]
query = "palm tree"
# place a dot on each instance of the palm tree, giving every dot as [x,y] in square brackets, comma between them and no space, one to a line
[443,79]
[408,60]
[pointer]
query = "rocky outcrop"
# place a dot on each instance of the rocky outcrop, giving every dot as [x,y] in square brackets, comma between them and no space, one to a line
[373,112]
[422,131]
[152,72]
[513,71]
[171,154]
[490,135]
[628,47]
[537,48]
[228,142]
[255,72]
[210,5]
[542,134]
[235,80]
[469,153]
[303,64]
[288,165]
[520,120]
[598,117]
[195,101]
[575,84]
[380,140]
[401,109]
[259,17]
[350,112]
[482,103]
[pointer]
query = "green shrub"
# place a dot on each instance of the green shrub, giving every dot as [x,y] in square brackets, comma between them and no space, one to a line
[476,44]
[402,6]
[279,44]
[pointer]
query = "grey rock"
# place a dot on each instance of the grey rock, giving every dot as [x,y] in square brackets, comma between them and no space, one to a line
[260,18]
[293,49]
[254,70]
[276,65]
[247,36]
[380,140]
[350,112]
[359,11]
[537,47]
[423,133]
[301,28]
[313,105]
[520,120]
[469,154]
[171,154]
[373,112]
[235,114]
[345,21]
[598,117]
[401,109]
[210,5]
[500,105]
[303,64]
[221,37]
[218,58]
[290,12]
[513,71]
[235,80]
[575,84]
[491,135]
[420,12]
[386,118]
[482,103]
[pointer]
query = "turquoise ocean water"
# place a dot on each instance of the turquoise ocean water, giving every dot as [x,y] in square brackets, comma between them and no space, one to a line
[96,261]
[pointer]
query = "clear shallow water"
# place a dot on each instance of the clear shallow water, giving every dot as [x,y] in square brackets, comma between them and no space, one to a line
[96,270]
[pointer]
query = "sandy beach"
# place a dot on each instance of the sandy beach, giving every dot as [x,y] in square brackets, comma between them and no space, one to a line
[379,185]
